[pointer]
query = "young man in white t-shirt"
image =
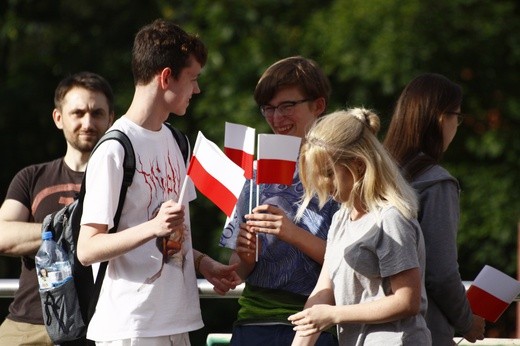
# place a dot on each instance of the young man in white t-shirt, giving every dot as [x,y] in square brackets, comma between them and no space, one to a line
[147,296]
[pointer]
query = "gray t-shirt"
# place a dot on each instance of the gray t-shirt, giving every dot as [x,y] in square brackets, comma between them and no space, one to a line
[361,255]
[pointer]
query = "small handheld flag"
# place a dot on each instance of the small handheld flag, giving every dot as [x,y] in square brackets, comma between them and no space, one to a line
[276,163]
[239,146]
[491,293]
[215,175]
[277,156]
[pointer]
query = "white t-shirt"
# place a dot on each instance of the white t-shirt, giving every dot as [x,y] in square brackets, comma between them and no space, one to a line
[360,256]
[128,307]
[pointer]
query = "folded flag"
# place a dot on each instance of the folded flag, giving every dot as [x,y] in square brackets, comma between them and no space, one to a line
[276,159]
[215,175]
[239,146]
[491,293]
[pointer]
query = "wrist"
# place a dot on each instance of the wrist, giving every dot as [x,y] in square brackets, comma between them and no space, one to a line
[198,260]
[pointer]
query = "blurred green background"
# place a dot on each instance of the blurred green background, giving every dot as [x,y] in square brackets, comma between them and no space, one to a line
[369,49]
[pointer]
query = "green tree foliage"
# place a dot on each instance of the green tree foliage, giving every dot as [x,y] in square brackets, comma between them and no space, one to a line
[372,48]
[369,48]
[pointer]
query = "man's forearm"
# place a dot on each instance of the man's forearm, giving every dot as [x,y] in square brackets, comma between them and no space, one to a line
[19,238]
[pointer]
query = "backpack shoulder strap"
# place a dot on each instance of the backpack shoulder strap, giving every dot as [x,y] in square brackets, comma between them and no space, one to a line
[128,175]
[182,141]
[129,159]
[128,169]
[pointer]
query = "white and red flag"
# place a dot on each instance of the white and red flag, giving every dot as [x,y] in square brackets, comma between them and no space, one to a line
[491,293]
[215,175]
[276,159]
[239,146]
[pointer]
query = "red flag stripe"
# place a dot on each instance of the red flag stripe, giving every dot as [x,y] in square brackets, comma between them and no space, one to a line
[484,304]
[242,159]
[275,171]
[211,187]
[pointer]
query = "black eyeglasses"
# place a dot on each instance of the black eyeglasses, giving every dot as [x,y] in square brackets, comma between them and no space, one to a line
[460,117]
[285,108]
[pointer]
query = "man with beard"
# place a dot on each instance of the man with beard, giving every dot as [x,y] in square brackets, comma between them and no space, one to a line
[83,110]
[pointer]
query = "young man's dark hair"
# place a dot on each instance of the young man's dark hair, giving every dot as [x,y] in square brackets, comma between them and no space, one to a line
[164,44]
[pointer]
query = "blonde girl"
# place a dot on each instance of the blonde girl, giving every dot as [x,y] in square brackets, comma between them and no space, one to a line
[370,285]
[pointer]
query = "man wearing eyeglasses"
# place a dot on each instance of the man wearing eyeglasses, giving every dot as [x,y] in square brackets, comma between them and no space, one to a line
[292,93]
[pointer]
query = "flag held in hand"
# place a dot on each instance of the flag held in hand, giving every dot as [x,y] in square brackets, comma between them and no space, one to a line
[239,146]
[491,293]
[276,159]
[215,175]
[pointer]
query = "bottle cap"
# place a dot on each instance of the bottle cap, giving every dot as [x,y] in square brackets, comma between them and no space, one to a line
[46,235]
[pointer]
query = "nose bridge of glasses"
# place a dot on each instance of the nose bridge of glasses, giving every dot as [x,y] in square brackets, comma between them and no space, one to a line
[271,111]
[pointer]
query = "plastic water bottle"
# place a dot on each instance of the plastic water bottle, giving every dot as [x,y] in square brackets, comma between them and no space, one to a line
[52,264]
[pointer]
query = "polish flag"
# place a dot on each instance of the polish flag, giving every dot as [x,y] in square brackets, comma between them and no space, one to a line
[491,293]
[215,175]
[276,159]
[239,146]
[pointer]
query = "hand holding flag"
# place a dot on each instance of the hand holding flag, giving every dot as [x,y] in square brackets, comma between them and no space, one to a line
[276,163]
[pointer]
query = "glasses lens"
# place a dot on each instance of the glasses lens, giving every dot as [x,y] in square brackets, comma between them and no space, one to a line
[286,108]
[267,111]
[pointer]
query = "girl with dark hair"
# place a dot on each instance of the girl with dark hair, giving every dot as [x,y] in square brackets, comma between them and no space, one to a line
[423,125]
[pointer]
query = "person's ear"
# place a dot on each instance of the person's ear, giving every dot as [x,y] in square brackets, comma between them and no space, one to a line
[319,106]
[111,117]
[164,77]
[58,118]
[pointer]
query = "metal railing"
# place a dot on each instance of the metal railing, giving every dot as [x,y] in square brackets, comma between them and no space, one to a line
[9,286]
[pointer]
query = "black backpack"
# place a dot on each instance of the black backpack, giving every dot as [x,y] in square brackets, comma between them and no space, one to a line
[67,309]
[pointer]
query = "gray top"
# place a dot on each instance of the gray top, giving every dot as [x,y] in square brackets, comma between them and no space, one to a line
[361,255]
[448,307]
